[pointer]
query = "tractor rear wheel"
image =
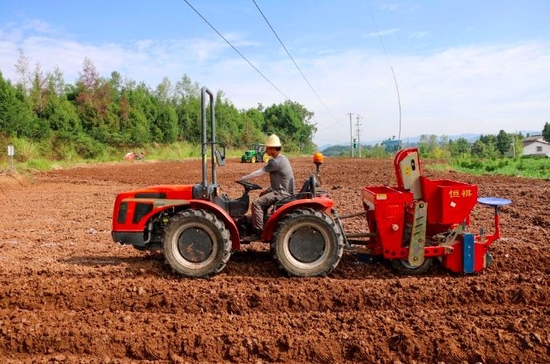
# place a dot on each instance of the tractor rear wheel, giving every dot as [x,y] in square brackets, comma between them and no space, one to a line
[196,243]
[402,266]
[265,158]
[308,243]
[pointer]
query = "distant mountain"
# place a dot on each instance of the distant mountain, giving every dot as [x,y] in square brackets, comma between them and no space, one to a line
[336,150]
[323,147]
[342,148]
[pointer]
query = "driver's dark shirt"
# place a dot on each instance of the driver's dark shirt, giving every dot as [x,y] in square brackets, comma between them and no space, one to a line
[281,175]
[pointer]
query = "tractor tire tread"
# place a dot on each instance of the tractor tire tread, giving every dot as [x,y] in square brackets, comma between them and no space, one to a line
[321,215]
[209,216]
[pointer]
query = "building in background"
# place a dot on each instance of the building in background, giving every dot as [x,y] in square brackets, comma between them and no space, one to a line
[536,145]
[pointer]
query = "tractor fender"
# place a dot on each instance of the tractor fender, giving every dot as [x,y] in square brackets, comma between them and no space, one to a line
[223,215]
[318,203]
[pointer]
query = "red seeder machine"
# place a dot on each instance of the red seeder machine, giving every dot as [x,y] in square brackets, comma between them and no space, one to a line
[421,219]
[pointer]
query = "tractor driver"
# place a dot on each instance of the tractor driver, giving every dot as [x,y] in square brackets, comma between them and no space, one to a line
[281,178]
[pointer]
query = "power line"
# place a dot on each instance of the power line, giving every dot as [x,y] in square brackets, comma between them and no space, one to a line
[236,50]
[391,67]
[293,61]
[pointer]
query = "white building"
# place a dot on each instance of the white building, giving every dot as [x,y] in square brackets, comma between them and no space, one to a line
[535,145]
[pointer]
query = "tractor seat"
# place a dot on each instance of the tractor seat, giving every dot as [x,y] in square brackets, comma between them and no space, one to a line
[284,201]
[304,193]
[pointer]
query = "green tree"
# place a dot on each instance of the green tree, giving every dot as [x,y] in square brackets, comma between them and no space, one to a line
[229,125]
[546,132]
[143,110]
[16,114]
[252,126]
[292,122]
[459,148]
[164,128]
[186,102]
[489,146]
[517,144]
[39,90]
[164,90]
[485,147]
[61,115]
[503,142]
[479,149]
[427,145]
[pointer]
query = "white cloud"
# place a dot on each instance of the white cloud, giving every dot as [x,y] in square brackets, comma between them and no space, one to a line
[390,6]
[40,27]
[384,32]
[420,34]
[450,91]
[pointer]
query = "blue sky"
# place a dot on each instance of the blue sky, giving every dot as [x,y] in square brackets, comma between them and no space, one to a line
[461,66]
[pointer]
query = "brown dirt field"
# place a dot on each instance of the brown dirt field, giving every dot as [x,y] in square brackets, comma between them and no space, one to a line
[69,294]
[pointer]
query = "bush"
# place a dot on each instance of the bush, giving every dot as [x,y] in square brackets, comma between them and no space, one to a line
[87,147]
[38,164]
[474,164]
[25,149]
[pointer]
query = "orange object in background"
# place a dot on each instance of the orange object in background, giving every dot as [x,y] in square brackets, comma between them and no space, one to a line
[318,158]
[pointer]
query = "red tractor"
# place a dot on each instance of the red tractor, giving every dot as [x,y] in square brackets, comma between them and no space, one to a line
[420,220]
[198,226]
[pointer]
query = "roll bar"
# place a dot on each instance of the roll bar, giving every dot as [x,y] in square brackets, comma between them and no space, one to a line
[217,157]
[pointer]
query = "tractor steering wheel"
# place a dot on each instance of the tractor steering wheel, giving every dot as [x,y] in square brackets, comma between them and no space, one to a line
[249,186]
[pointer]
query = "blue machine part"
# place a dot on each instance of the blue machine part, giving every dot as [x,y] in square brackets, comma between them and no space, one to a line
[468,253]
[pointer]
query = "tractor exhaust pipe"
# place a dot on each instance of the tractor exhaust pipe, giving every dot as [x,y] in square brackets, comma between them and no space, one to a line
[204,91]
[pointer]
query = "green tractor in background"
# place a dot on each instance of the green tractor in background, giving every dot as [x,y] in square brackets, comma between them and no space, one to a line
[256,153]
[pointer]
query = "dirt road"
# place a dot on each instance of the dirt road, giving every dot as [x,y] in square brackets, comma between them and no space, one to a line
[69,294]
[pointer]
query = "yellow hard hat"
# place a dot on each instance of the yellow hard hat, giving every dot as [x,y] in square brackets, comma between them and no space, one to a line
[273,141]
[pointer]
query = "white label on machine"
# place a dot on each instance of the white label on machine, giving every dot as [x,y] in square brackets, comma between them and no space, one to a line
[453,204]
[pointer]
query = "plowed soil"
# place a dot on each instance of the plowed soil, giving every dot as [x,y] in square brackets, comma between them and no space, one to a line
[69,294]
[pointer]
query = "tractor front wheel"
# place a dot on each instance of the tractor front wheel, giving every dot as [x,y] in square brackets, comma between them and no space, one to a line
[402,266]
[253,159]
[197,243]
[308,243]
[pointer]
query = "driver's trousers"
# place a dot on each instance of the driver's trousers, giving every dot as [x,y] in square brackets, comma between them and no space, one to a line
[262,204]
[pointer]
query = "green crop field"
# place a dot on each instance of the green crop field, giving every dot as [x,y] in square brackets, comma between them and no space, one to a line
[529,167]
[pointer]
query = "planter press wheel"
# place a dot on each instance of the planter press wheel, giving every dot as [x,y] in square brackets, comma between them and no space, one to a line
[402,266]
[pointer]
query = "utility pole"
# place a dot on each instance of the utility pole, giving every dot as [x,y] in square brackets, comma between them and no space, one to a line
[358,131]
[350,134]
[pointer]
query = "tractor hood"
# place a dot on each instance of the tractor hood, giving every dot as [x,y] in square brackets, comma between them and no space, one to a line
[184,192]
